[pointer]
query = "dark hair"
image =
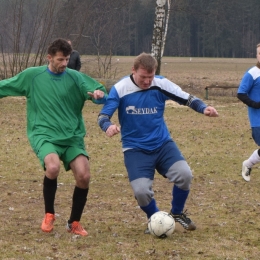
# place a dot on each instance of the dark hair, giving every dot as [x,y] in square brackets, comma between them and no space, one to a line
[146,61]
[61,45]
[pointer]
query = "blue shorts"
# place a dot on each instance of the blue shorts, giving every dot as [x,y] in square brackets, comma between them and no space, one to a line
[256,135]
[142,163]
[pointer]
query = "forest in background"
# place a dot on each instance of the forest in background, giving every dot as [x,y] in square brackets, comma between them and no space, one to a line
[201,28]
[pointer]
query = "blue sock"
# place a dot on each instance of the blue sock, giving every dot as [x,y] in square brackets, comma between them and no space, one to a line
[179,198]
[150,209]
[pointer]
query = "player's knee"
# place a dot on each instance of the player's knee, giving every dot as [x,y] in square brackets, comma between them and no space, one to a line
[85,178]
[143,195]
[142,188]
[186,174]
[143,199]
[139,193]
[82,179]
[52,169]
[185,179]
[181,174]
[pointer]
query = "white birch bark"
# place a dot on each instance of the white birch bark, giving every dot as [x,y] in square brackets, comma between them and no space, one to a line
[166,26]
[159,32]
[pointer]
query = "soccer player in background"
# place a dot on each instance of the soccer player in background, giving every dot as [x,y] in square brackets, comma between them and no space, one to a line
[74,61]
[55,127]
[147,145]
[249,93]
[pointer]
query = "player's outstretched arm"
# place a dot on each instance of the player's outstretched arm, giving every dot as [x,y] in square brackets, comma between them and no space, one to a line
[199,106]
[210,111]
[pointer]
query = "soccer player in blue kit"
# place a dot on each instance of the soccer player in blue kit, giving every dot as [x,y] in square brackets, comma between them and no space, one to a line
[147,145]
[249,93]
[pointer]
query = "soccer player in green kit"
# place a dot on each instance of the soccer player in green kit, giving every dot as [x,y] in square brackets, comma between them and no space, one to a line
[55,127]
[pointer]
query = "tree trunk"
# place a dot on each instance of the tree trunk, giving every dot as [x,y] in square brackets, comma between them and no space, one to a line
[159,32]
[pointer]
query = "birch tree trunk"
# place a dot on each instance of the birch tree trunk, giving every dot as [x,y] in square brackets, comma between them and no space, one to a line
[160,31]
[166,26]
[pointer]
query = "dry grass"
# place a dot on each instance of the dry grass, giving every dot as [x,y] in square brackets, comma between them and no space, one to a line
[224,207]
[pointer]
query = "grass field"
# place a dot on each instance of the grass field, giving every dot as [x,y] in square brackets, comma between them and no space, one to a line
[224,207]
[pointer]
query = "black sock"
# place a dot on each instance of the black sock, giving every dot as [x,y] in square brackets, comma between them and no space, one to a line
[49,191]
[78,203]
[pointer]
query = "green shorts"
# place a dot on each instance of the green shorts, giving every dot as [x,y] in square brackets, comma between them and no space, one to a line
[65,153]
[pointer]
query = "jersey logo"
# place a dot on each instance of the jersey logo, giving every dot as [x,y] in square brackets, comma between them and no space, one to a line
[140,111]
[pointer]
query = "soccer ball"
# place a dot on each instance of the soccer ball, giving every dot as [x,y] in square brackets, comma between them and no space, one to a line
[161,224]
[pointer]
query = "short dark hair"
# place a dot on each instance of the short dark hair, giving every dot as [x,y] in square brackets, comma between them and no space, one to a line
[61,45]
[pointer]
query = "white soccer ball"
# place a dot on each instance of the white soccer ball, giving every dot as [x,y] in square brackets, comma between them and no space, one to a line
[161,224]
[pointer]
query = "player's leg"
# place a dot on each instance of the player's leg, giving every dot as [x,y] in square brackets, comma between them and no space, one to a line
[172,165]
[141,176]
[48,155]
[81,170]
[254,158]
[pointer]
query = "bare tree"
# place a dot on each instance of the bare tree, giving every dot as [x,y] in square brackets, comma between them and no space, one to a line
[101,32]
[24,37]
[97,28]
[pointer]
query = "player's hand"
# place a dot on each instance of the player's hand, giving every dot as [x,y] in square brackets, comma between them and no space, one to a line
[210,111]
[112,130]
[97,94]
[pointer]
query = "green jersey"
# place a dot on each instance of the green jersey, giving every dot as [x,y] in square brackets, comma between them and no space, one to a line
[54,104]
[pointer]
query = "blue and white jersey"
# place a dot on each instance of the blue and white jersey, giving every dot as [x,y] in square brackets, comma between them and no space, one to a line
[140,112]
[250,85]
